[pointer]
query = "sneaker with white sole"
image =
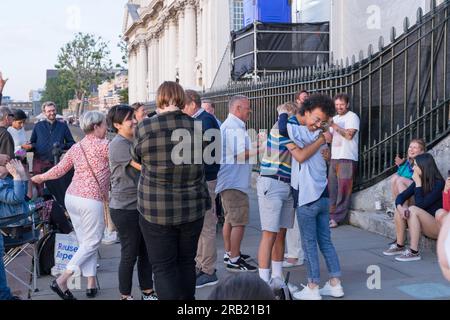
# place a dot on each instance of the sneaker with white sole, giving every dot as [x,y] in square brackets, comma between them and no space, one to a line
[204,280]
[149,296]
[287,264]
[308,294]
[240,266]
[407,255]
[333,291]
[292,288]
[226,257]
[393,250]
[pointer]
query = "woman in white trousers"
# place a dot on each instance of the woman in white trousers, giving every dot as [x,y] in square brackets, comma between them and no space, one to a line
[84,200]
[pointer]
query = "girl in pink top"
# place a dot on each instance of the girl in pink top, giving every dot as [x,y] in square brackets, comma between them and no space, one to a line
[84,200]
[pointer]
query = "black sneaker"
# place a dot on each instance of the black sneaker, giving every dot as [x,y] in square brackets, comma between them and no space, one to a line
[149,296]
[226,257]
[240,266]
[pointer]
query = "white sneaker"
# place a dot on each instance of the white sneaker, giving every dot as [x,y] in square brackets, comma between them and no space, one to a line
[110,237]
[328,290]
[308,294]
[292,288]
[287,264]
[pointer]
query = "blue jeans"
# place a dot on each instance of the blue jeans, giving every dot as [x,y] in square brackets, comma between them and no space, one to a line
[314,223]
[5,293]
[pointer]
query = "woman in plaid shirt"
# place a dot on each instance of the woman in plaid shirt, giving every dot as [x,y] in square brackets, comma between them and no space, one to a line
[172,193]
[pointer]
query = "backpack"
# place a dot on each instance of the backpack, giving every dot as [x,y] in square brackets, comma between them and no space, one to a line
[280,288]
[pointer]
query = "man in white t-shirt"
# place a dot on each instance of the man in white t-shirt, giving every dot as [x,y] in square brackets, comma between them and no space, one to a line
[344,158]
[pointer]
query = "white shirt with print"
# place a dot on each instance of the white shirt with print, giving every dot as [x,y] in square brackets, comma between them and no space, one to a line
[342,148]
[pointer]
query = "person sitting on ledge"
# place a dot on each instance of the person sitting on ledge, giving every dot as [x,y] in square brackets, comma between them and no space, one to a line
[403,178]
[427,191]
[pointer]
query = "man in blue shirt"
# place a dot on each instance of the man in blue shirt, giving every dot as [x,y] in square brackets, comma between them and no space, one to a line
[47,135]
[206,251]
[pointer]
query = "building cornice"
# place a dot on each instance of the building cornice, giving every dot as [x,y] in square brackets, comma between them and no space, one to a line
[163,16]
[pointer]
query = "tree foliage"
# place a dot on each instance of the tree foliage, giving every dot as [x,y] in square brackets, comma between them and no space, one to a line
[85,61]
[59,90]
[124,51]
[124,96]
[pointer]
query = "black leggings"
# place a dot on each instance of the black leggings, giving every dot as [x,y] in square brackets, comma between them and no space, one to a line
[132,249]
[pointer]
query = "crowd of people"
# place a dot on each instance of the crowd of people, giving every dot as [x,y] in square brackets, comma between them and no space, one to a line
[160,178]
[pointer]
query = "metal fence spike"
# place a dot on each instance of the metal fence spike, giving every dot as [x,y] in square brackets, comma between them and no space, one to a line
[432,5]
[419,15]
[361,55]
[369,51]
[405,25]
[380,43]
[353,60]
[393,34]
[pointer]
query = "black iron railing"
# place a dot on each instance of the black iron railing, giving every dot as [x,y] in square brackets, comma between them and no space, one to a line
[391,91]
[376,161]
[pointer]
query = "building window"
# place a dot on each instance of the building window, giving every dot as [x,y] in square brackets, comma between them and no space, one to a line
[237,14]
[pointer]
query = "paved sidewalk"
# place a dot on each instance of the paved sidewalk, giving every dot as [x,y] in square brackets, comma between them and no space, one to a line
[357,250]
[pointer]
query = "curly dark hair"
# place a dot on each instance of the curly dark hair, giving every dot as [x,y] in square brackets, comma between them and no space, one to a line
[321,101]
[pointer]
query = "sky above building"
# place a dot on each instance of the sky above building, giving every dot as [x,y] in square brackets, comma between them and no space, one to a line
[33,32]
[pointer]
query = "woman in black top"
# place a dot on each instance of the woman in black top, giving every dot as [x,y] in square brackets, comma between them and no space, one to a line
[427,191]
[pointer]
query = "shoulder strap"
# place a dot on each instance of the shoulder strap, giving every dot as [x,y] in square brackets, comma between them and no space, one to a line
[90,168]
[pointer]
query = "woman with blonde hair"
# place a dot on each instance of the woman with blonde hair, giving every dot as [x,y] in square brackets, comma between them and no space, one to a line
[403,178]
[84,200]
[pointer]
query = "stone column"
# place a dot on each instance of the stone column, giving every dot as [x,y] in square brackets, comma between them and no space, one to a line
[160,60]
[142,59]
[181,55]
[190,43]
[208,40]
[172,49]
[150,66]
[155,65]
[132,76]
[165,55]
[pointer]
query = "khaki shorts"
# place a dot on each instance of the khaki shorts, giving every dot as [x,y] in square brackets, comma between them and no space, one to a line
[235,206]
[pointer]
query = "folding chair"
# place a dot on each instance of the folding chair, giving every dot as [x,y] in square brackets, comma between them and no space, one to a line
[20,233]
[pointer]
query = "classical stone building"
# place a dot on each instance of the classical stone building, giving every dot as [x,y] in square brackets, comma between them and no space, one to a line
[178,40]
